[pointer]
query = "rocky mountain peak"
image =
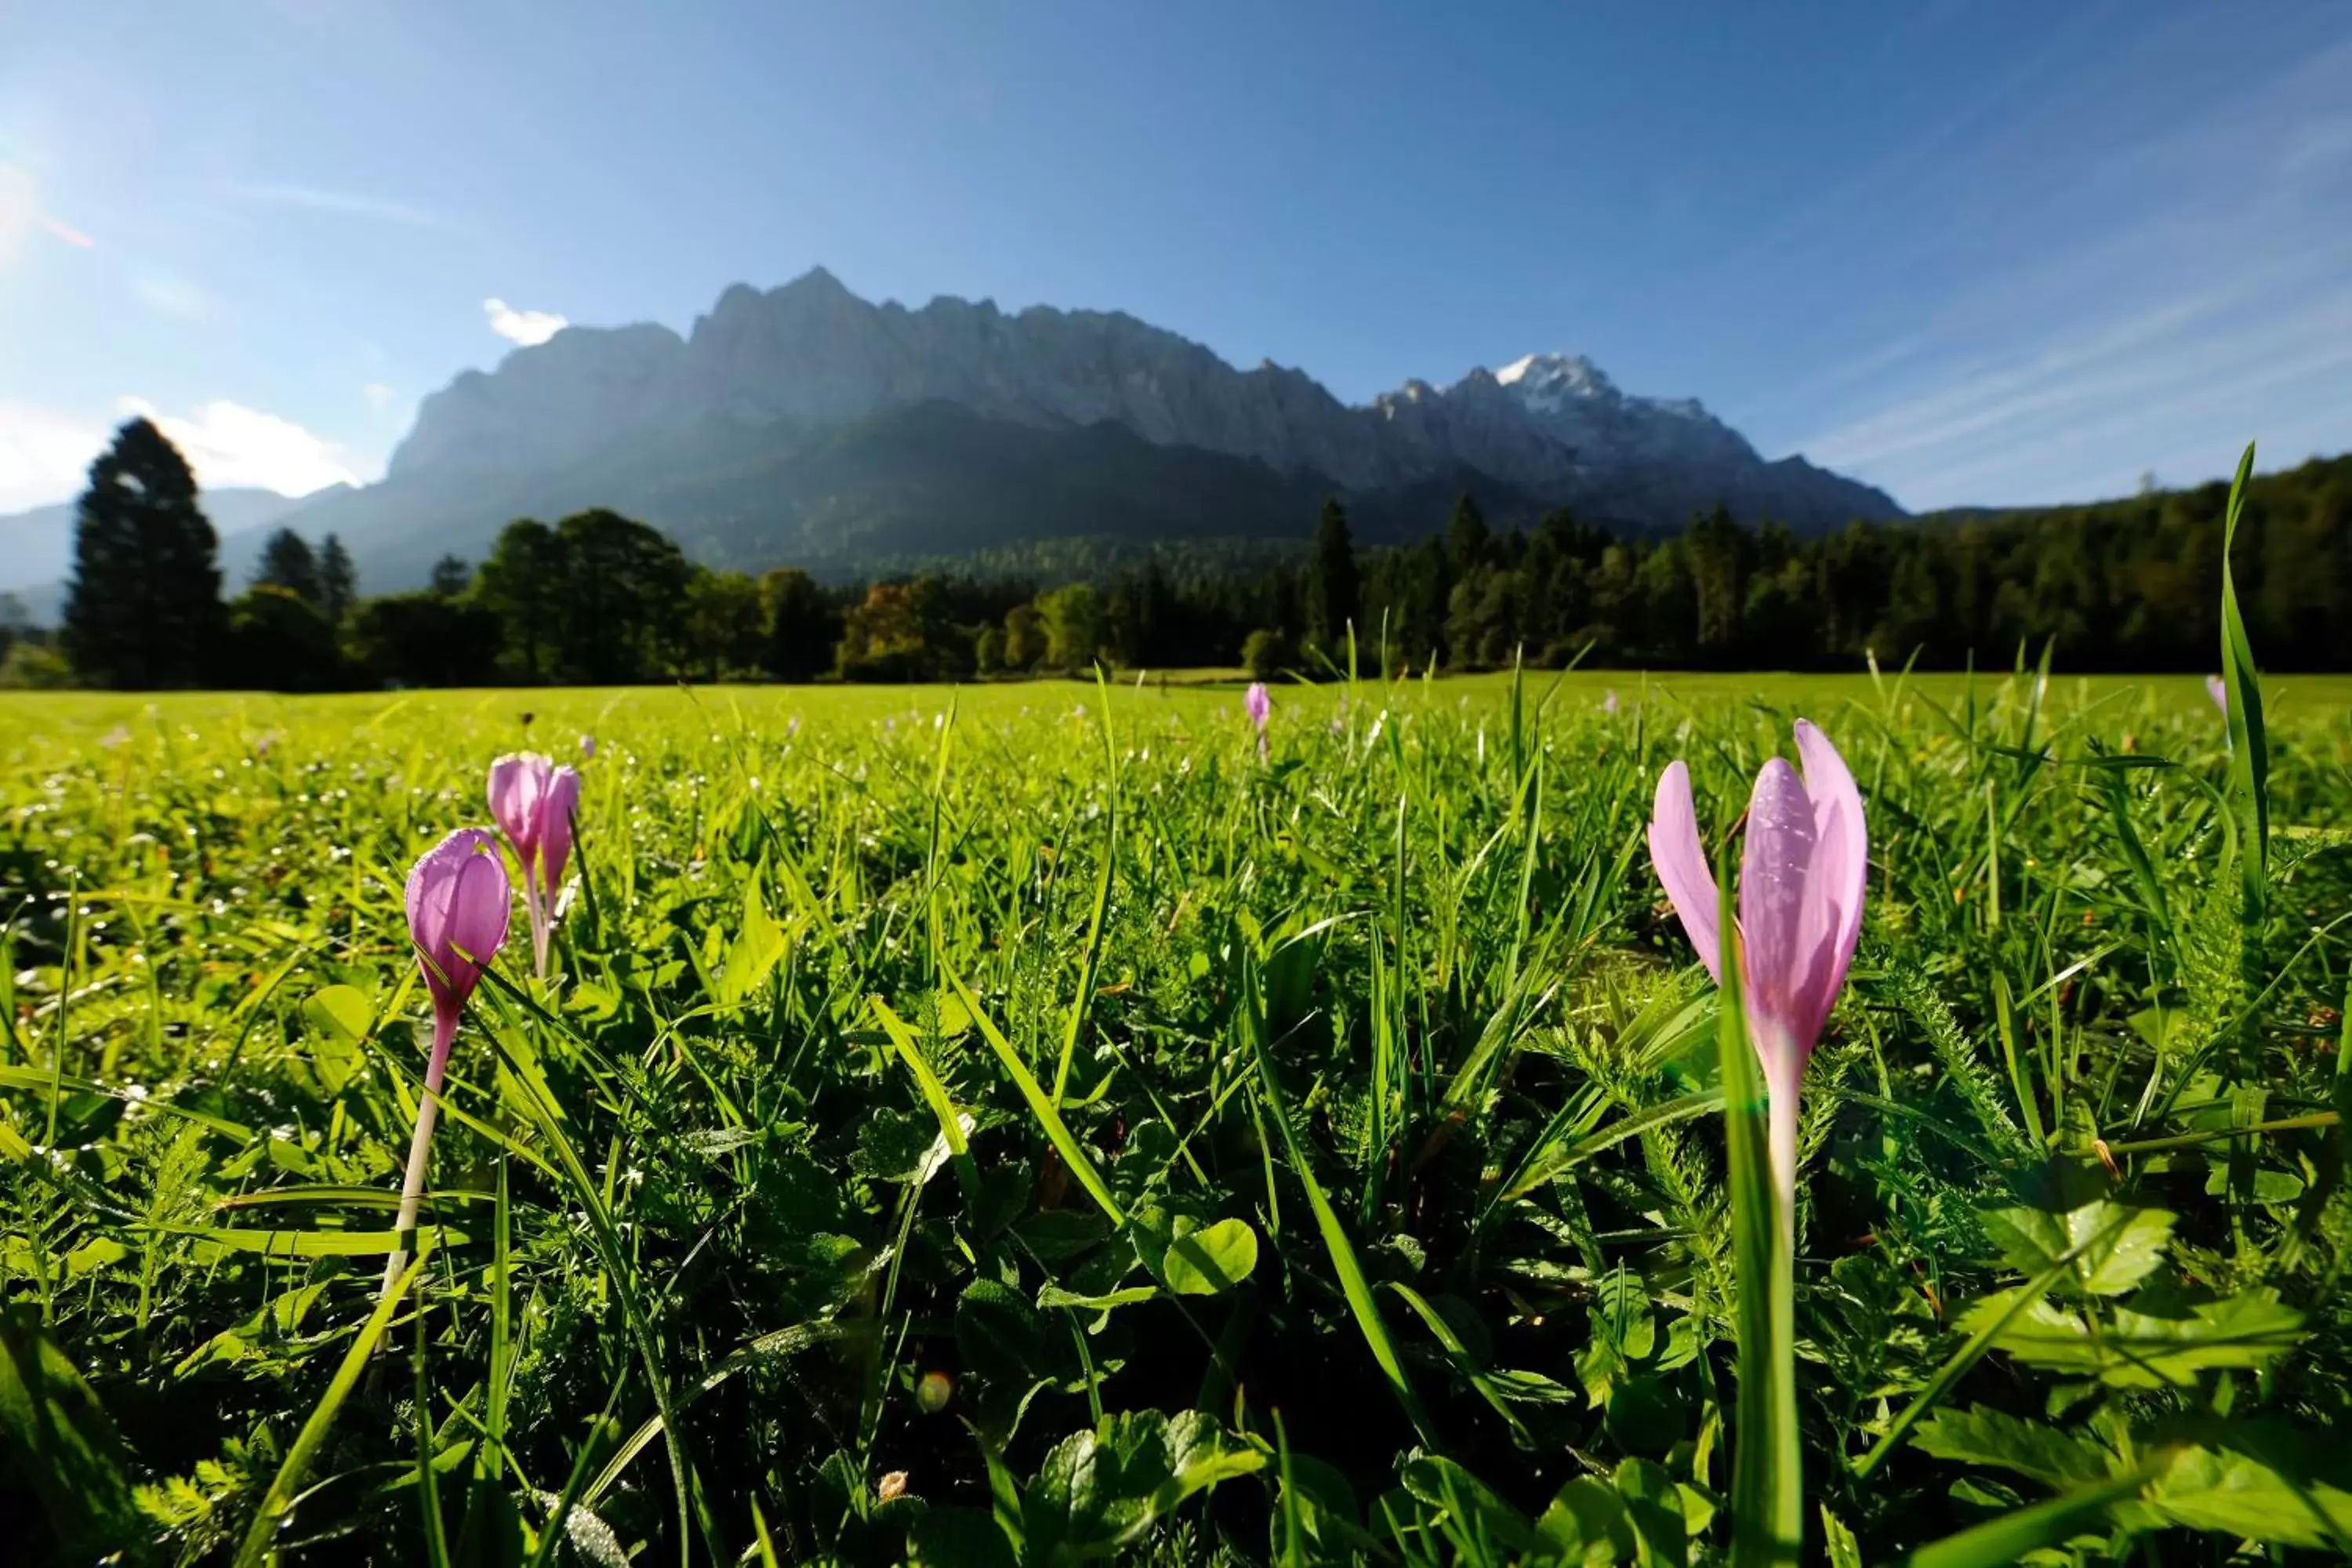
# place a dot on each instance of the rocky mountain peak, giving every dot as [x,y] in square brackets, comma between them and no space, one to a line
[810,354]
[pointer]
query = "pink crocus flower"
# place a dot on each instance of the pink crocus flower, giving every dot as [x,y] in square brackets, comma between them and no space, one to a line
[533,804]
[587,748]
[1259,705]
[1802,875]
[2218,691]
[458,898]
[1609,701]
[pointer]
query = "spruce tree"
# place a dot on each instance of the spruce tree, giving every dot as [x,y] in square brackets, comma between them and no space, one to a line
[1332,583]
[142,609]
[287,562]
[1469,540]
[339,581]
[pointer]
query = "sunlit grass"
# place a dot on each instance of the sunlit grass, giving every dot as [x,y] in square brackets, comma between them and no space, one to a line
[969,1118]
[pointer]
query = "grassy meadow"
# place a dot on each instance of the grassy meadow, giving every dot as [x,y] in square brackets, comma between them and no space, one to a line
[1021,1124]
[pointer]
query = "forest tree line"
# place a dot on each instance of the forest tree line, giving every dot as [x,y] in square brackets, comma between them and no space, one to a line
[602,599]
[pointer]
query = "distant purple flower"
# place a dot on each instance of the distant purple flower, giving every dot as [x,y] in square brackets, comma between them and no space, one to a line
[587,748]
[1609,702]
[2218,691]
[534,804]
[1259,705]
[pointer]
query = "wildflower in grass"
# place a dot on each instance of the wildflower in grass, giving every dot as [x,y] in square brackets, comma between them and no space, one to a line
[532,802]
[587,748]
[458,902]
[1609,702]
[2218,691]
[1259,706]
[1800,886]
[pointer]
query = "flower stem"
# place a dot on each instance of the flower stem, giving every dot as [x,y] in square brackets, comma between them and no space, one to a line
[428,1112]
[533,905]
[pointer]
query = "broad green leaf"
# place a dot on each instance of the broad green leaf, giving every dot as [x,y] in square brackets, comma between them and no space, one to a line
[2236,1495]
[310,1243]
[760,944]
[2006,1540]
[1447,1486]
[337,1017]
[1054,1296]
[1622,1315]
[2113,1247]
[2139,1350]
[1100,1489]
[1980,1435]
[61,1443]
[1212,1260]
[338,1012]
[1586,1521]
[1654,1504]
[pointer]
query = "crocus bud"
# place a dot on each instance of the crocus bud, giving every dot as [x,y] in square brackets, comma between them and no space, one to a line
[458,902]
[1802,878]
[587,748]
[518,790]
[2218,691]
[555,814]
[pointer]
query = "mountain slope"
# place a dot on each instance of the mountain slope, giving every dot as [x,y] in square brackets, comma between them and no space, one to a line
[806,425]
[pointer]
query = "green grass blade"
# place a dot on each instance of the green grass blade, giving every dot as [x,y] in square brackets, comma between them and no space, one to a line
[1968,1355]
[1766,1483]
[1057,1132]
[2249,791]
[280,1496]
[934,1092]
[2009,1538]
[1352,1283]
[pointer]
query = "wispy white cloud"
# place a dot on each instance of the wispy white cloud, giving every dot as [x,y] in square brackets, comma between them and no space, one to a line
[2150,305]
[378,396]
[228,444]
[44,453]
[340,204]
[528,328]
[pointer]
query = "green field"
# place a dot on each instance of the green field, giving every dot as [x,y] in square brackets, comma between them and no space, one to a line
[1019,1124]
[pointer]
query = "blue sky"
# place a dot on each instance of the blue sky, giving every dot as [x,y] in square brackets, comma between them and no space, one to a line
[1971,252]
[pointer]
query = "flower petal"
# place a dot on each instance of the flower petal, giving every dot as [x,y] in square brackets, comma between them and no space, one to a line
[555,825]
[518,786]
[1834,893]
[1681,862]
[479,901]
[434,907]
[1773,872]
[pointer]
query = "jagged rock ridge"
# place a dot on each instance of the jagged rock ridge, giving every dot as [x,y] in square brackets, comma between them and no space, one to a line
[813,355]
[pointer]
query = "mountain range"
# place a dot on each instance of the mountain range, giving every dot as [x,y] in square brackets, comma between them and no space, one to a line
[803,425]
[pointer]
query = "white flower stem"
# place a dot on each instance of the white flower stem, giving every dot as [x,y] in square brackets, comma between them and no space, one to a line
[534,909]
[428,1112]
